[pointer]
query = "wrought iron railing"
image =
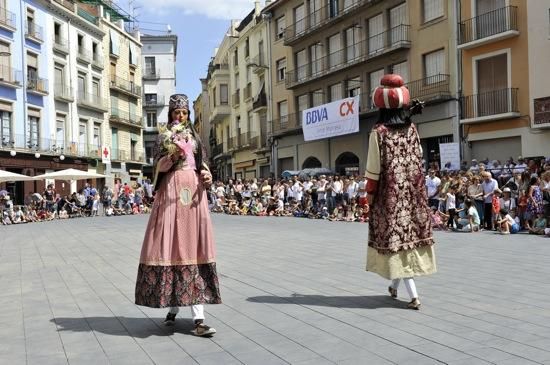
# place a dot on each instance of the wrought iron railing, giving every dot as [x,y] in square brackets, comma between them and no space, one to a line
[63,92]
[7,18]
[151,74]
[85,15]
[126,85]
[430,88]
[92,100]
[490,103]
[11,76]
[488,24]
[287,123]
[154,102]
[118,115]
[84,55]
[60,44]
[68,4]
[32,30]
[37,84]
[394,38]
[260,101]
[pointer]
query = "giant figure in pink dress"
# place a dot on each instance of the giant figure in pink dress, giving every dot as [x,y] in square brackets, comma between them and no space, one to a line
[178,259]
[400,232]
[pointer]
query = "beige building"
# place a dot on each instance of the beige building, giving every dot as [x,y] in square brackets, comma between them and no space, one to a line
[249,94]
[505,53]
[323,51]
[201,116]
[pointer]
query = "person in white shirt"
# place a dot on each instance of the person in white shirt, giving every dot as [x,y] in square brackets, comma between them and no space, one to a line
[506,223]
[451,206]
[351,190]
[337,190]
[362,192]
[433,184]
[489,185]
[297,191]
[321,193]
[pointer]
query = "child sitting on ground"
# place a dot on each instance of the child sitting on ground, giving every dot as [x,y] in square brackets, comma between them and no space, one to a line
[539,224]
[437,219]
[506,223]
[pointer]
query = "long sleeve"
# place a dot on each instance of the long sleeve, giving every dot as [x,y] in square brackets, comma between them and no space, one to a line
[373,163]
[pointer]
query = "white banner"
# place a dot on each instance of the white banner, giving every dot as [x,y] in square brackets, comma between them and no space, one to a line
[331,120]
[449,152]
[106,154]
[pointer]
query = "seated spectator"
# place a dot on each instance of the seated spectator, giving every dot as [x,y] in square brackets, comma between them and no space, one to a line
[471,222]
[539,225]
[63,214]
[437,219]
[506,224]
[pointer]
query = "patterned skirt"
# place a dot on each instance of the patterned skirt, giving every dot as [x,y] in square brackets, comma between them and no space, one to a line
[177,264]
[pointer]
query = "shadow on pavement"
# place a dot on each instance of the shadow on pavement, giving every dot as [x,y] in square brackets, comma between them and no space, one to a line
[359,302]
[123,326]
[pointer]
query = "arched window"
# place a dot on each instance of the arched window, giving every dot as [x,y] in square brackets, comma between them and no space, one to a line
[311,163]
[347,164]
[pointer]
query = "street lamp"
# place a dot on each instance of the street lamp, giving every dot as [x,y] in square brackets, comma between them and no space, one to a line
[62,157]
[37,155]
[13,153]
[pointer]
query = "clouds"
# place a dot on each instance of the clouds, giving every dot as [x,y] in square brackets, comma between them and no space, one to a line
[215,9]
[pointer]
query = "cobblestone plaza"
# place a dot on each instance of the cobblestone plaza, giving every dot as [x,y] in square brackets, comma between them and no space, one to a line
[294,291]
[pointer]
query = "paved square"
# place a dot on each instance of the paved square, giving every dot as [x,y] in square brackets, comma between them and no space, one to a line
[294,291]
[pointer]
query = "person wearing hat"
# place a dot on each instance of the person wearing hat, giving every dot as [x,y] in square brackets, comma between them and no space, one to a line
[177,266]
[400,243]
[506,201]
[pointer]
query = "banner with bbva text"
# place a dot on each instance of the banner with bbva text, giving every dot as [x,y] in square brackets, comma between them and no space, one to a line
[331,120]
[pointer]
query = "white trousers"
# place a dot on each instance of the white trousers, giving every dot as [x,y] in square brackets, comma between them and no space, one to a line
[409,284]
[197,311]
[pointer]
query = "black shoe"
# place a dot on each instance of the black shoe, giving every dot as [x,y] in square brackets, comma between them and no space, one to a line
[170,319]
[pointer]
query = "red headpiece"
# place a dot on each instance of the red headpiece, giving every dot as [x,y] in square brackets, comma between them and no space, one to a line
[392,94]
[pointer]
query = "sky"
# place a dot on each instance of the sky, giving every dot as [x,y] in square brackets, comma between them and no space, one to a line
[200,26]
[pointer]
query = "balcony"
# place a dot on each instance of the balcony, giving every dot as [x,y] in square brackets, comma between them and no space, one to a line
[93,102]
[37,85]
[87,16]
[157,102]
[259,64]
[431,88]
[34,32]
[97,61]
[67,4]
[84,55]
[125,86]
[219,69]
[60,44]
[321,18]
[377,45]
[287,124]
[260,102]
[236,98]
[490,106]
[47,146]
[7,20]
[489,27]
[217,150]
[220,112]
[10,77]
[122,117]
[541,109]
[240,142]
[151,74]
[63,93]
[248,91]
[124,155]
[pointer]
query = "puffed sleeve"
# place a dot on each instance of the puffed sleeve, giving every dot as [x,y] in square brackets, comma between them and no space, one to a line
[373,163]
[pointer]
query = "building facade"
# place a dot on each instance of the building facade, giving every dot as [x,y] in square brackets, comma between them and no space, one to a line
[249,80]
[201,117]
[504,47]
[327,51]
[159,82]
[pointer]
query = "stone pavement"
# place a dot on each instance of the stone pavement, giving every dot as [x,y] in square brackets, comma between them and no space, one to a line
[294,291]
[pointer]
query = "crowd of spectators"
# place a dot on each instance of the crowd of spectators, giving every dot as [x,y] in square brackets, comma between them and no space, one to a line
[334,198]
[122,199]
[487,195]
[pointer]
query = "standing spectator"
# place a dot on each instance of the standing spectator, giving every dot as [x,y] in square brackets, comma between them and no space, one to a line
[338,190]
[49,197]
[107,196]
[433,185]
[329,189]
[534,201]
[321,190]
[545,177]
[298,191]
[451,206]
[351,190]
[362,192]
[496,205]
[489,185]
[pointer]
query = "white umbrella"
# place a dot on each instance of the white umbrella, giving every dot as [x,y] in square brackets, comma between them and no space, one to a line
[10,176]
[70,174]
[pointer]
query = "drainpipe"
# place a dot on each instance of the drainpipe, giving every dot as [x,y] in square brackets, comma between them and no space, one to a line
[273,162]
[459,75]
[23,73]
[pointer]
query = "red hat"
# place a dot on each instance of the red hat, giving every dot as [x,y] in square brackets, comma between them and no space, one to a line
[392,94]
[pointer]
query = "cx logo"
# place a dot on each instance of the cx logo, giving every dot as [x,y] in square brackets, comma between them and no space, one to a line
[346,108]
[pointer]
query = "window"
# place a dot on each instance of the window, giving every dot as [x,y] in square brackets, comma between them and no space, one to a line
[150,99]
[353,45]
[281,69]
[492,73]
[333,8]
[224,94]
[60,132]
[57,33]
[81,84]
[5,127]
[150,65]
[114,44]
[31,29]
[301,65]
[299,20]
[398,16]
[280,27]
[96,139]
[214,97]
[432,9]
[95,52]
[335,92]
[402,69]
[434,64]
[334,47]
[33,128]
[247,48]
[58,78]
[250,121]
[114,142]
[80,42]
[353,87]
[82,137]
[236,57]
[315,12]
[374,79]
[302,103]
[282,108]
[5,56]
[151,119]
[32,70]
[317,97]
[95,87]
[315,58]
[376,34]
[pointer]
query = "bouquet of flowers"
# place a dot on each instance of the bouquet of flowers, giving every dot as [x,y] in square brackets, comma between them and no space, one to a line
[176,140]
